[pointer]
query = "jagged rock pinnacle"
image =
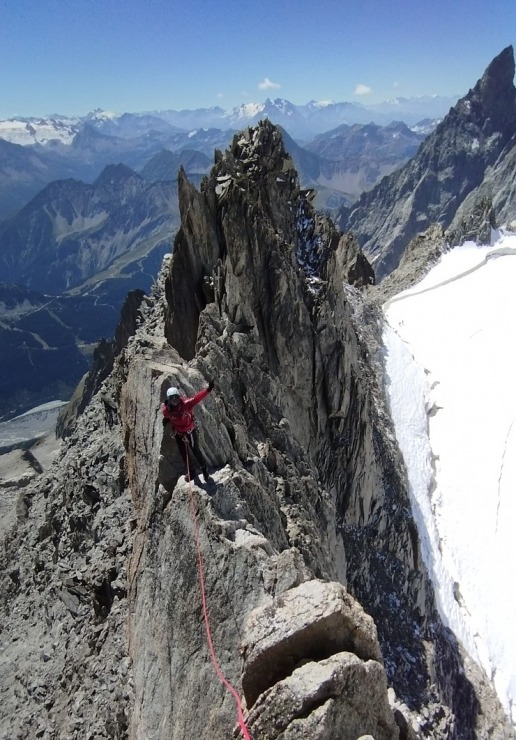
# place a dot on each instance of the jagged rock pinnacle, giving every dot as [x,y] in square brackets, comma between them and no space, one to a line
[450,164]
[493,99]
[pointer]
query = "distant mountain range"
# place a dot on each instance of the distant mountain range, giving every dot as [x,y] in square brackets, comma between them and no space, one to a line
[72,232]
[340,160]
[301,121]
[67,261]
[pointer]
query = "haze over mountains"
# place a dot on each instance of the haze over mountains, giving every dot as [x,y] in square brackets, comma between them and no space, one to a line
[36,151]
[301,121]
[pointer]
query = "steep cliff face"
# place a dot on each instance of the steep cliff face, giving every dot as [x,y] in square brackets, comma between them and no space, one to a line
[490,205]
[317,597]
[476,136]
[257,297]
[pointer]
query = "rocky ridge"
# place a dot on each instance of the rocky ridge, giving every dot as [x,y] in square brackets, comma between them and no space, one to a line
[321,611]
[469,154]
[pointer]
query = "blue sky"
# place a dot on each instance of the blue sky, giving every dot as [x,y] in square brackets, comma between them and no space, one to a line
[72,56]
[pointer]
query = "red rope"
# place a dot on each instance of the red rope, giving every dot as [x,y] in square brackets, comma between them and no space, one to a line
[218,670]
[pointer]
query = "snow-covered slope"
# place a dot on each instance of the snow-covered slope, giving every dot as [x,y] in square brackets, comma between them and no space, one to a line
[25,131]
[30,426]
[451,364]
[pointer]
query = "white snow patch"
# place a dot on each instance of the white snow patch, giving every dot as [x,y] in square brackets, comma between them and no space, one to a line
[451,363]
[28,131]
[30,425]
[247,110]
[62,229]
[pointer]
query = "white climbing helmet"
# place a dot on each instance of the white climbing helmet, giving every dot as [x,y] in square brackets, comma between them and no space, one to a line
[172,392]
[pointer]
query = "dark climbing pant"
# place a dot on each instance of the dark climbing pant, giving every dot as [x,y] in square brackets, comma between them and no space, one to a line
[190,451]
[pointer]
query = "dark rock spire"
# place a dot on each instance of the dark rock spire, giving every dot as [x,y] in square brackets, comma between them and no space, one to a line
[494,95]
[450,164]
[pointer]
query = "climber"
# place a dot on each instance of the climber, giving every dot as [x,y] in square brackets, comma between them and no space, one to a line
[178,411]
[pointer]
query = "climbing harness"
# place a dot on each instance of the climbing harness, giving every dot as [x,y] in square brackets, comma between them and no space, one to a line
[200,568]
[190,451]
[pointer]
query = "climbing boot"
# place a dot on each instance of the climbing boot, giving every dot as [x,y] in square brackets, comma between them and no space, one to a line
[207,477]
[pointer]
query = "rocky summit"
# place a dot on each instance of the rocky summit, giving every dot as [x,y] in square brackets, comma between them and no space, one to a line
[319,610]
[462,176]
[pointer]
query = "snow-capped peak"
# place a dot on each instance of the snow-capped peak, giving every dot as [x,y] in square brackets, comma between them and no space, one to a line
[101,115]
[27,131]
[247,110]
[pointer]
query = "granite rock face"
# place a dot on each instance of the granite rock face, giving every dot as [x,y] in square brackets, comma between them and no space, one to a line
[470,154]
[320,611]
[490,205]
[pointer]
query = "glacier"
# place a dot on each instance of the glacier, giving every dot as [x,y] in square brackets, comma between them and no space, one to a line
[450,352]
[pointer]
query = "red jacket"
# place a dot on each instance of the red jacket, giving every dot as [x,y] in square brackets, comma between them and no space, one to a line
[181,416]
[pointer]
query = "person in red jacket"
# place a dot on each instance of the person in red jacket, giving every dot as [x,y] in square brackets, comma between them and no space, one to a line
[178,411]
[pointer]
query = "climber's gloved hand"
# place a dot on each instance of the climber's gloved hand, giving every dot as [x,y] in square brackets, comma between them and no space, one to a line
[211,385]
